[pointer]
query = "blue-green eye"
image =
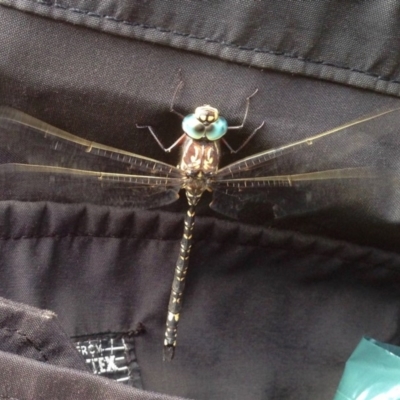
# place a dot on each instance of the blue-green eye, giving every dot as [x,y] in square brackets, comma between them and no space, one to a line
[217,129]
[193,127]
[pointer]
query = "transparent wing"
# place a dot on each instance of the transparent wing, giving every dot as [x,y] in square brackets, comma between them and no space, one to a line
[354,165]
[39,162]
[39,183]
[27,140]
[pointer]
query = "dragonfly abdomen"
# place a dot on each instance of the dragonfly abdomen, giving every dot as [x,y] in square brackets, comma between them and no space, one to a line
[178,285]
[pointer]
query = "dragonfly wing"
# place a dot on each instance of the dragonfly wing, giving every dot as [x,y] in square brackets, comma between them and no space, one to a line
[356,165]
[27,140]
[43,183]
[375,192]
[370,141]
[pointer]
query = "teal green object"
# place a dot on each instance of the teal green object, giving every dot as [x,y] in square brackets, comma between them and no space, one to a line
[371,373]
[218,129]
[197,130]
[192,127]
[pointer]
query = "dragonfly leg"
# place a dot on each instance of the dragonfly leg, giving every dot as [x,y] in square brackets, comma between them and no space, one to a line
[245,112]
[178,286]
[154,134]
[232,150]
[178,88]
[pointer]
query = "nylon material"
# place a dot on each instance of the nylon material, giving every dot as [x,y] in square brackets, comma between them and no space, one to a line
[40,381]
[35,334]
[281,311]
[31,221]
[119,249]
[98,285]
[362,51]
[289,106]
[95,110]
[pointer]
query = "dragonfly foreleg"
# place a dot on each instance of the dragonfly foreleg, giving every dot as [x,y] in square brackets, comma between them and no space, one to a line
[178,286]
[245,142]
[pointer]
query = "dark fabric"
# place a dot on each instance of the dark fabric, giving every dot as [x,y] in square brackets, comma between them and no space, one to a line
[35,334]
[22,378]
[352,42]
[277,309]
[39,361]
[268,313]
[99,86]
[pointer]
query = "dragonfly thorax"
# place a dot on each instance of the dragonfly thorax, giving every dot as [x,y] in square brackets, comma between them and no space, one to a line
[199,162]
[199,156]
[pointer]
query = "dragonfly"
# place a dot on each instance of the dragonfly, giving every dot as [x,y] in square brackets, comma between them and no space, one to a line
[39,162]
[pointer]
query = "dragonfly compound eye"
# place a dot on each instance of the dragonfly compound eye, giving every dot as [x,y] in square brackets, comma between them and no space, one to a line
[193,127]
[217,129]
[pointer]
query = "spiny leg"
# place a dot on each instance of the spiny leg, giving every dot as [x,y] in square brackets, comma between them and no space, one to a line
[154,134]
[172,109]
[245,142]
[231,149]
[178,88]
[178,286]
[245,112]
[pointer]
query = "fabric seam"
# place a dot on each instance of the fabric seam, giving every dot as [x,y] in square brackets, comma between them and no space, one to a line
[130,333]
[210,40]
[304,250]
[28,340]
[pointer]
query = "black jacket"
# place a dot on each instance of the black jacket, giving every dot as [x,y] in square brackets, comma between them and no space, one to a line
[273,308]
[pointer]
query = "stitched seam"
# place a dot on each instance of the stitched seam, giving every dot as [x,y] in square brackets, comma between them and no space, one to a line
[140,329]
[210,40]
[305,250]
[29,341]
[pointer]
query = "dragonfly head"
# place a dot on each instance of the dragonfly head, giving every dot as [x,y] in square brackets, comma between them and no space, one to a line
[205,123]
[206,114]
